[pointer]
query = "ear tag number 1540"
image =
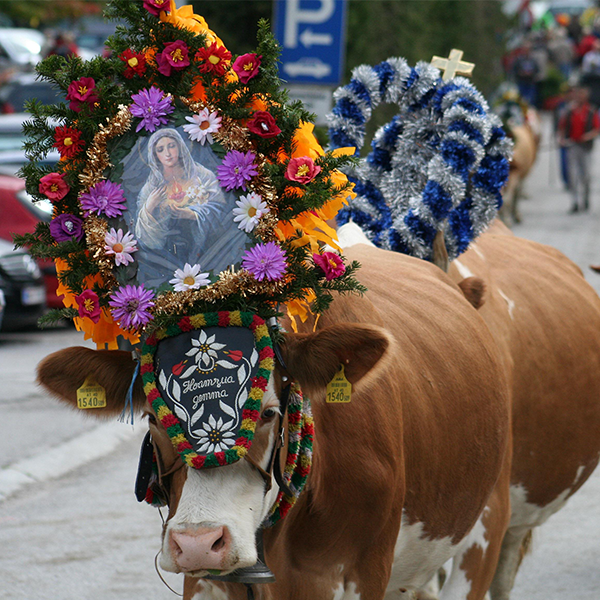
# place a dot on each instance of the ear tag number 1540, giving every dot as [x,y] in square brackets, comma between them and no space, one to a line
[91,394]
[339,389]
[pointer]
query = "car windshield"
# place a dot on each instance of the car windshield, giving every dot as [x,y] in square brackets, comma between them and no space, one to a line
[21,43]
[11,140]
[42,209]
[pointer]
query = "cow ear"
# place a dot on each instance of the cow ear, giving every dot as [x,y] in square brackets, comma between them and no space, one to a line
[313,359]
[63,372]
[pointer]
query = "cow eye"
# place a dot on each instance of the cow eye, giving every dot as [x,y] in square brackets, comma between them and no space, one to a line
[268,414]
[151,419]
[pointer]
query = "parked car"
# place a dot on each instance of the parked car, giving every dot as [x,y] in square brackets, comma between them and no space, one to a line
[22,87]
[20,47]
[19,214]
[22,285]
[2,305]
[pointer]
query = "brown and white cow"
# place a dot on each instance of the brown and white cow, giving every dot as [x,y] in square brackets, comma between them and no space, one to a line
[546,320]
[414,471]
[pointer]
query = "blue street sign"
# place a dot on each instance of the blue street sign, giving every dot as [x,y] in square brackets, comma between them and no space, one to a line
[312,34]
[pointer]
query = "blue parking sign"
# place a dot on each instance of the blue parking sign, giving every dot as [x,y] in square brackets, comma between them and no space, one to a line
[312,34]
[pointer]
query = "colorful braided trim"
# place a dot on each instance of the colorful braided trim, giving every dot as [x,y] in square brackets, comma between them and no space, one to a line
[251,408]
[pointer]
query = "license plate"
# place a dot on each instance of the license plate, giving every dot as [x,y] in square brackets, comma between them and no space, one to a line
[33,295]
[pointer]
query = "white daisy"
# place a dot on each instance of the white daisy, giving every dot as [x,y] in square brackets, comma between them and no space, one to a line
[204,350]
[121,245]
[189,278]
[215,436]
[250,209]
[202,126]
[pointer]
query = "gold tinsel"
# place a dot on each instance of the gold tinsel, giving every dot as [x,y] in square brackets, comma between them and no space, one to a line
[95,232]
[97,156]
[230,282]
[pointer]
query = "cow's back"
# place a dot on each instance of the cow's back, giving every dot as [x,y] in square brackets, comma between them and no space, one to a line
[546,317]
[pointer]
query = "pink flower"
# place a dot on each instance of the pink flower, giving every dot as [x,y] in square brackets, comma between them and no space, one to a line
[122,245]
[80,92]
[331,264]
[155,6]
[53,186]
[246,66]
[263,124]
[173,57]
[89,305]
[302,169]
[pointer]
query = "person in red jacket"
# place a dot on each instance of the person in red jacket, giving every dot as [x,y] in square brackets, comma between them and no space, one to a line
[578,127]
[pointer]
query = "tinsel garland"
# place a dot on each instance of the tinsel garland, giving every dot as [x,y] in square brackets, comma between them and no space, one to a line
[439,165]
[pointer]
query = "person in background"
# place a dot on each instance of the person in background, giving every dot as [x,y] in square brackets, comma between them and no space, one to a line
[560,110]
[577,129]
[525,70]
[63,46]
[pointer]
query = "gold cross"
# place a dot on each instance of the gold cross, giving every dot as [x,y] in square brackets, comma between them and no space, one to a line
[453,65]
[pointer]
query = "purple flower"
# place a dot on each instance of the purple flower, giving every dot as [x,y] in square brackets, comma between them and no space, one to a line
[265,261]
[105,197]
[152,107]
[130,304]
[64,228]
[236,169]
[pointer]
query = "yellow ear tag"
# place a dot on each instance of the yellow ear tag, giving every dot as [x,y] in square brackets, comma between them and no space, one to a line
[339,389]
[91,394]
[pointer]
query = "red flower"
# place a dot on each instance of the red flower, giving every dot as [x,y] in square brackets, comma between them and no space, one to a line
[53,186]
[331,264]
[263,124]
[89,305]
[235,355]
[173,58]
[302,169]
[246,66]
[68,141]
[178,368]
[215,59]
[80,92]
[155,6]
[135,61]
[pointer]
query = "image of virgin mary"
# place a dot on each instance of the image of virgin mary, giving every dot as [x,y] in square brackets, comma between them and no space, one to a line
[183,215]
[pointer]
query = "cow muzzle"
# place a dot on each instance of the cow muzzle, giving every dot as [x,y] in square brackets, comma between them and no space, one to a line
[202,549]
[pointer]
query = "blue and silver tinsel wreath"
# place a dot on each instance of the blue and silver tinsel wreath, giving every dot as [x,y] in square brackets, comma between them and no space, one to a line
[438,165]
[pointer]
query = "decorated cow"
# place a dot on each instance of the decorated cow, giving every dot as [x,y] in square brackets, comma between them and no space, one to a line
[308,441]
[536,303]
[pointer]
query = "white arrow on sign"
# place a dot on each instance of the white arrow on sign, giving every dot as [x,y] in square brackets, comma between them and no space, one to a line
[308,67]
[309,38]
[295,15]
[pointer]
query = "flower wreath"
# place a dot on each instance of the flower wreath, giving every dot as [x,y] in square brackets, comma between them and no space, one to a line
[170,73]
[438,165]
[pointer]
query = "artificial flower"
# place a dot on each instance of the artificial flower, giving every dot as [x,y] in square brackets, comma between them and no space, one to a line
[155,6]
[53,186]
[130,306]
[174,57]
[214,59]
[236,355]
[249,210]
[331,264]
[135,61]
[263,124]
[236,169]
[215,435]
[81,92]
[65,227]
[103,198]
[121,245]
[88,305]
[302,169]
[189,278]
[68,141]
[202,126]
[152,107]
[265,261]
[246,66]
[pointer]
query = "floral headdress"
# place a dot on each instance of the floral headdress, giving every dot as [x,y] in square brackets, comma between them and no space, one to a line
[251,186]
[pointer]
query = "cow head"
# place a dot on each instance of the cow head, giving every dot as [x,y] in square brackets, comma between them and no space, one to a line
[214,513]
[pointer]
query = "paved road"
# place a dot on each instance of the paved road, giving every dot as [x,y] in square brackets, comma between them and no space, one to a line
[83,536]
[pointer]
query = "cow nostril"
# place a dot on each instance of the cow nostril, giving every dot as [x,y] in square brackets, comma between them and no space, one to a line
[218,544]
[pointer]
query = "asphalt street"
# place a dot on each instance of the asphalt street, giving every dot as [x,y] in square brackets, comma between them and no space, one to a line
[82,535]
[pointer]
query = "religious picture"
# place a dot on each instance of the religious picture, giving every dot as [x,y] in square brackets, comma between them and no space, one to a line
[177,210]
